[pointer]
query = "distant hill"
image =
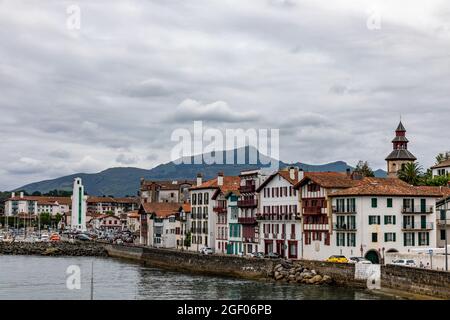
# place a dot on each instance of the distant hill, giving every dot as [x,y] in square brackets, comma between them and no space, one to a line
[124,181]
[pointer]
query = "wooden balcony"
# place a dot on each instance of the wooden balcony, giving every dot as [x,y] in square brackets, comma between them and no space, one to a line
[343,227]
[312,210]
[252,203]
[247,188]
[220,209]
[248,220]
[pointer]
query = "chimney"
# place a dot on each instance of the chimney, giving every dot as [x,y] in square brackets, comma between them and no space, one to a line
[199,179]
[220,179]
[301,174]
[13,194]
[21,195]
[292,173]
[348,172]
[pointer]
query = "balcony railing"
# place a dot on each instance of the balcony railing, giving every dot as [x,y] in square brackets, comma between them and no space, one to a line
[418,226]
[247,203]
[275,216]
[220,209]
[248,220]
[343,227]
[443,222]
[247,188]
[338,210]
[312,210]
[417,209]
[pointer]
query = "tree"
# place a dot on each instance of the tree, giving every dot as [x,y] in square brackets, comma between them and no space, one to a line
[36,194]
[187,240]
[45,219]
[364,169]
[441,157]
[411,173]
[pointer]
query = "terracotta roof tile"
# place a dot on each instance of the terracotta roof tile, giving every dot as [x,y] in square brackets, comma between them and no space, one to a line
[161,209]
[443,164]
[391,187]
[329,179]
[230,183]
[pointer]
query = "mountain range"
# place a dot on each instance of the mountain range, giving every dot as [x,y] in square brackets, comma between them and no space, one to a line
[124,181]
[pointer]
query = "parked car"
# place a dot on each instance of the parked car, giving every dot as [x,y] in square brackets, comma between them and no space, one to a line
[404,262]
[359,260]
[83,237]
[259,255]
[206,250]
[44,238]
[273,255]
[55,237]
[337,259]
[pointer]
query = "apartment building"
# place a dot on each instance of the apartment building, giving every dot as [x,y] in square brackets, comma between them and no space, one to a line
[248,208]
[314,190]
[235,245]
[383,216]
[165,191]
[109,205]
[204,219]
[161,224]
[279,215]
[443,221]
[35,205]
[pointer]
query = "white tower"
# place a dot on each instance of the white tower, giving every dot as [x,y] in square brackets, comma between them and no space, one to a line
[78,217]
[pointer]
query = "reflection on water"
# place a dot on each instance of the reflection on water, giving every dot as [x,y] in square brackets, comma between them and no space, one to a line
[30,277]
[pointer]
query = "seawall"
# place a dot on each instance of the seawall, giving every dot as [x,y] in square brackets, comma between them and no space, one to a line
[401,281]
[54,249]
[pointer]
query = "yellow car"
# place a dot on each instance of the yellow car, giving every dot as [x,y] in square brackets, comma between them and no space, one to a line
[337,259]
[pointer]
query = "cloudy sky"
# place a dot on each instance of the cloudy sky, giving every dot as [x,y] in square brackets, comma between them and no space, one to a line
[333,79]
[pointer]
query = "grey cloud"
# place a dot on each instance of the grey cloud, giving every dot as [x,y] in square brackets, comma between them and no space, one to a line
[120,84]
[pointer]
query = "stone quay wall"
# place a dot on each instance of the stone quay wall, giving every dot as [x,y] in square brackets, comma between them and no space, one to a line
[431,283]
[87,249]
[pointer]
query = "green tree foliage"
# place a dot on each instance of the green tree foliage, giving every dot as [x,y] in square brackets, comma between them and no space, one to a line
[441,157]
[364,169]
[411,173]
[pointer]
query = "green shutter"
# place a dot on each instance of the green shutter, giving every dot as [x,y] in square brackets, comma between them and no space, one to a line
[389,202]
[378,220]
[374,202]
[385,237]
[394,238]
[404,239]
[393,220]
[428,239]
[385,219]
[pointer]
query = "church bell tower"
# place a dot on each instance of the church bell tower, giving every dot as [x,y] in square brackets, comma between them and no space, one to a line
[400,155]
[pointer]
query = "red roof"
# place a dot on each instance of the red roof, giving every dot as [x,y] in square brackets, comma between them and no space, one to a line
[391,187]
[161,209]
[230,183]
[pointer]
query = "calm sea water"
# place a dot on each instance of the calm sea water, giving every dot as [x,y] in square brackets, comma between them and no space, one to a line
[44,278]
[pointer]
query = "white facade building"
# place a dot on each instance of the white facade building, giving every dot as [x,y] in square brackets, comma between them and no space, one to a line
[279,215]
[383,216]
[441,169]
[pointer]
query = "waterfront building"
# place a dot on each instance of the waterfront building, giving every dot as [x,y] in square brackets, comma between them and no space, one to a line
[400,154]
[165,191]
[381,216]
[36,205]
[204,220]
[234,228]
[133,222]
[161,224]
[279,215]
[79,206]
[441,169]
[248,208]
[314,189]
[109,205]
[106,222]
[220,209]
